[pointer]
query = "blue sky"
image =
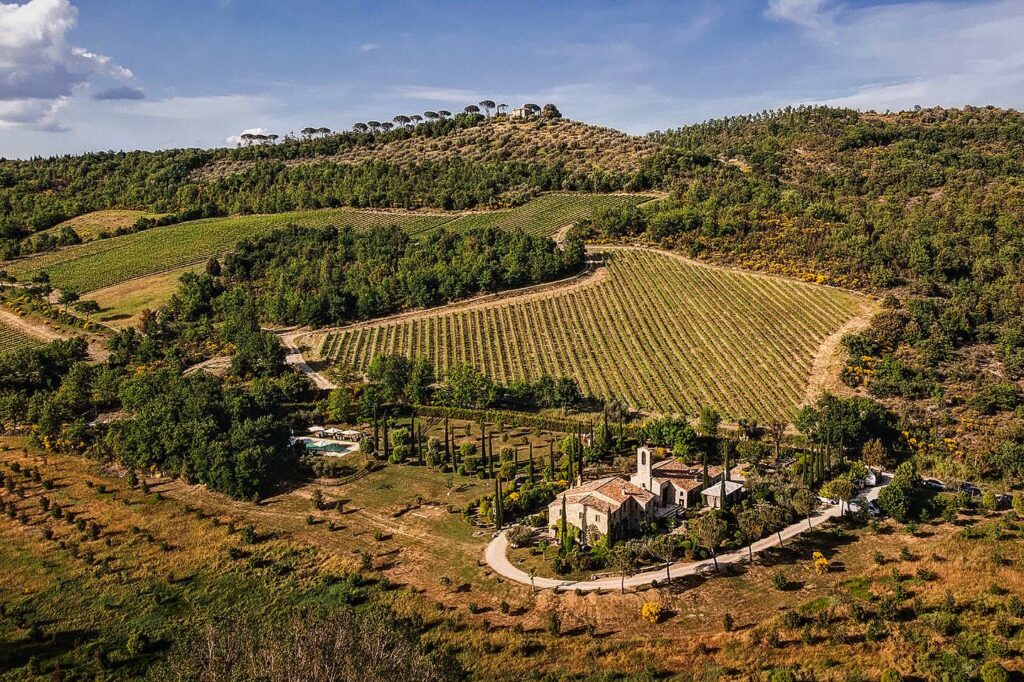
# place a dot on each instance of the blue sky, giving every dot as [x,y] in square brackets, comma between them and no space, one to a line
[104,74]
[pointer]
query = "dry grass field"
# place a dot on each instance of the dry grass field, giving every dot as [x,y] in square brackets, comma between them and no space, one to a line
[663,333]
[157,559]
[89,226]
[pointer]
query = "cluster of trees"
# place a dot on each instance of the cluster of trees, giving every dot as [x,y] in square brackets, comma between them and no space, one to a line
[321,276]
[230,432]
[395,380]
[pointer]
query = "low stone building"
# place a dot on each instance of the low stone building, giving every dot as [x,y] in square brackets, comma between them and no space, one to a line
[713,494]
[675,483]
[610,505]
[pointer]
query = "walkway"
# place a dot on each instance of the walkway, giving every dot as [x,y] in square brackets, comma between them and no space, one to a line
[496,556]
[293,356]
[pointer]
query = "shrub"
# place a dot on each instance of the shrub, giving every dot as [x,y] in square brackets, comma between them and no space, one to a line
[782,675]
[780,581]
[519,536]
[504,607]
[136,644]
[728,622]
[1014,606]
[891,675]
[651,612]
[992,671]
[791,619]
[472,607]
[554,623]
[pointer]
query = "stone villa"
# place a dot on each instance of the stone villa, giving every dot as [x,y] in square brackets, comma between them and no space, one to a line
[674,482]
[609,505]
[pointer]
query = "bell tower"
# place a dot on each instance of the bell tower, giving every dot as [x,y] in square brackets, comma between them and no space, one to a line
[643,466]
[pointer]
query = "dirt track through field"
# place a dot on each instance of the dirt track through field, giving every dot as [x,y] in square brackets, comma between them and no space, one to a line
[38,330]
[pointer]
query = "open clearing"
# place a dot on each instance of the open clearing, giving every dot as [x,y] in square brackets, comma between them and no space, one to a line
[103,263]
[88,226]
[122,304]
[661,332]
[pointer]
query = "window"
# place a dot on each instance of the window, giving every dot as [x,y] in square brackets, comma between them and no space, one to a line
[597,518]
[643,457]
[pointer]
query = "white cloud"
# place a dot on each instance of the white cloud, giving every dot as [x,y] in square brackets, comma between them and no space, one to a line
[39,71]
[895,56]
[369,47]
[235,140]
[812,14]
[447,95]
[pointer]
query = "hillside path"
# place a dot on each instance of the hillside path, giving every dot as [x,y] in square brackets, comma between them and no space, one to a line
[39,331]
[496,556]
[293,356]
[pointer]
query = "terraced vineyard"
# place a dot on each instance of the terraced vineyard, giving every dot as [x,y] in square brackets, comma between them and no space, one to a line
[545,215]
[13,339]
[99,264]
[662,333]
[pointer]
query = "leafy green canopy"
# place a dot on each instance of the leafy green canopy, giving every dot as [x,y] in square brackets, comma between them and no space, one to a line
[320,276]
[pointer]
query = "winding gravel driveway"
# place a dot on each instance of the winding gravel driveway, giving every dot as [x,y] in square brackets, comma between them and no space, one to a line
[496,556]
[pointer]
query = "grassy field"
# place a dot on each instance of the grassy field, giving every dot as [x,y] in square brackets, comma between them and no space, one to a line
[165,559]
[88,226]
[548,213]
[122,304]
[659,332]
[13,339]
[105,262]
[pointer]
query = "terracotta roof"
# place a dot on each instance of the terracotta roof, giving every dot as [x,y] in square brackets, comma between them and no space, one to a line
[681,475]
[611,491]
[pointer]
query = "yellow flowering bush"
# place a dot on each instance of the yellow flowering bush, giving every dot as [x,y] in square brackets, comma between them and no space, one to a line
[819,563]
[651,612]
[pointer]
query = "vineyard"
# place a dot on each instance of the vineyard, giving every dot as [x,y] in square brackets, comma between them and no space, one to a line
[662,333]
[98,264]
[12,339]
[546,214]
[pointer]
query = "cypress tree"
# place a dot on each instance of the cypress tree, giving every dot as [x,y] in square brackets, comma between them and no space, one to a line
[531,462]
[387,441]
[551,459]
[725,475]
[483,441]
[413,435]
[497,503]
[447,450]
[565,527]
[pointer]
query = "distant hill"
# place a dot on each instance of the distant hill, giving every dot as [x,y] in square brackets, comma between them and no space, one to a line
[579,146]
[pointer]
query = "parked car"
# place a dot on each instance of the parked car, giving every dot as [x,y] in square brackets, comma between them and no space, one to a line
[874,509]
[1003,501]
[970,489]
[933,484]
